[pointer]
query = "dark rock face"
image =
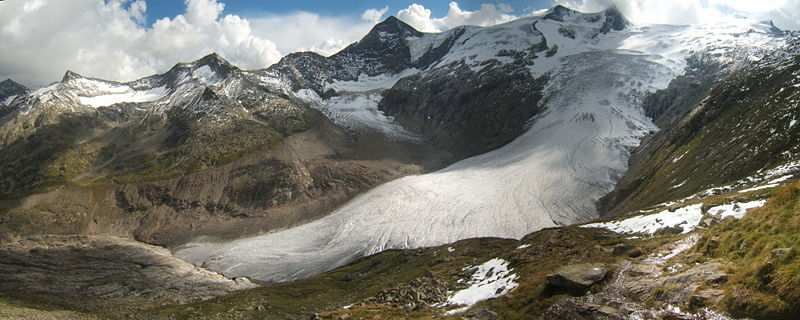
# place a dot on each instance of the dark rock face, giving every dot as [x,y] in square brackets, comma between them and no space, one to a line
[612,18]
[10,88]
[382,51]
[457,109]
[667,106]
[470,113]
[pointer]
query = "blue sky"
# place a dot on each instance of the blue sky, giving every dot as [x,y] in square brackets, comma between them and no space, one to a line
[249,8]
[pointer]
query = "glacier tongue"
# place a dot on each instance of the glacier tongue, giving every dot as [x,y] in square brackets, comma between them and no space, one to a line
[549,176]
[552,175]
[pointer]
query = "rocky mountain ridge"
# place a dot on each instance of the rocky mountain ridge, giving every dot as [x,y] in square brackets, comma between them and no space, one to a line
[233,168]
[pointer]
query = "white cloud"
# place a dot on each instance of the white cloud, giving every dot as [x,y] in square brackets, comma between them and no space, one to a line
[374,15]
[305,31]
[421,18]
[41,39]
[785,13]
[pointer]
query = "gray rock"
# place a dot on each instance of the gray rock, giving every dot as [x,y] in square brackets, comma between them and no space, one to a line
[102,270]
[481,314]
[577,278]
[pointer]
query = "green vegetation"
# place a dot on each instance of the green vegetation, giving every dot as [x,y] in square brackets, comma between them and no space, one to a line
[762,251]
[353,285]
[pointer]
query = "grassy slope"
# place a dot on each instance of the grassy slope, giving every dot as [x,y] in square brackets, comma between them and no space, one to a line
[328,293]
[762,251]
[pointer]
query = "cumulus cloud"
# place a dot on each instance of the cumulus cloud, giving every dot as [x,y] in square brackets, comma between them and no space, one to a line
[421,18]
[306,31]
[374,15]
[40,39]
[785,13]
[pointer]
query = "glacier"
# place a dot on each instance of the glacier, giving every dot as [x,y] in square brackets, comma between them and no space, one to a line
[552,175]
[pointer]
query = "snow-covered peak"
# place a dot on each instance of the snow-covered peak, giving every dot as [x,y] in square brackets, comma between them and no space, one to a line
[70,75]
[610,19]
[208,70]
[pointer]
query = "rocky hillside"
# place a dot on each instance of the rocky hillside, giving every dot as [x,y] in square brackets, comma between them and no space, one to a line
[202,149]
[716,133]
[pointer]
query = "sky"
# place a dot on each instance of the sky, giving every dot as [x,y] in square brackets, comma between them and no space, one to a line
[127,39]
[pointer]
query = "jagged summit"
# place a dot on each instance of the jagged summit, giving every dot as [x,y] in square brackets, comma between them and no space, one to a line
[212,59]
[560,12]
[9,89]
[613,18]
[388,32]
[9,84]
[70,75]
[393,25]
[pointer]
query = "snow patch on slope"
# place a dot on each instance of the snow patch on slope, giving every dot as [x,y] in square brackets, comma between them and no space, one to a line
[736,210]
[357,112]
[129,96]
[687,218]
[366,83]
[9,100]
[489,280]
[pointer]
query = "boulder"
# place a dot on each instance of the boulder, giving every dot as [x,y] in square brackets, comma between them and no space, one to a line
[576,279]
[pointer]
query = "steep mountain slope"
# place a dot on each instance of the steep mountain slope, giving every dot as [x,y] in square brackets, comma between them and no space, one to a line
[468,90]
[727,131]
[570,156]
[10,90]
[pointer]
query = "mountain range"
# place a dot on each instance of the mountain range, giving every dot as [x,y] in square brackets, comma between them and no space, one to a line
[416,175]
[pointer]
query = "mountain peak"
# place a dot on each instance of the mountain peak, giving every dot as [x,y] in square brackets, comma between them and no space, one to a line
[394,26]
[560,12]
[10,87]
[213,59]
[70,75]
[10,83]
[615,20]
